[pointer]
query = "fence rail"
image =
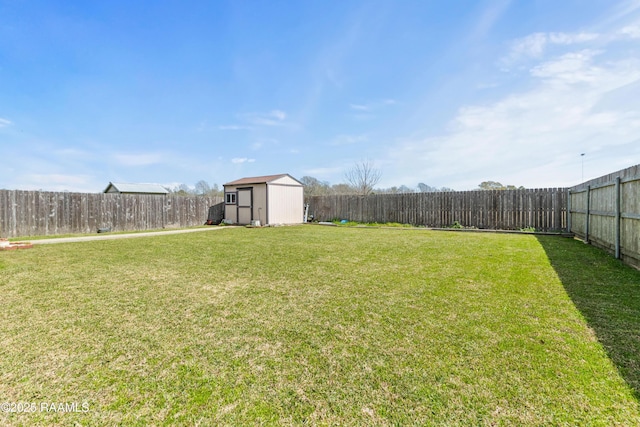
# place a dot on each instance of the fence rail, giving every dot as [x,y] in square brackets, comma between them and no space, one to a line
[606,213]
[40,213]
[544,209]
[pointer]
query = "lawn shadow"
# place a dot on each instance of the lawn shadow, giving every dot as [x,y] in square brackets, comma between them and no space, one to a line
[607,293]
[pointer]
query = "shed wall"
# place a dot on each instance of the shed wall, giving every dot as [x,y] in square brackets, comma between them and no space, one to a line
[286,204]
[285,180]
[230,211]
[260,203]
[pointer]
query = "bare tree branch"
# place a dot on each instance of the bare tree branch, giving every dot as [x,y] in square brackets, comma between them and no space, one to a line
[363,177]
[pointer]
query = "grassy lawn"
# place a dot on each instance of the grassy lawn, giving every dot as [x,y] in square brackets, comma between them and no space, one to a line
[323,326]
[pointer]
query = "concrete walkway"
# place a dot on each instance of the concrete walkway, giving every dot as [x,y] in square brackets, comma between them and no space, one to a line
[122,236]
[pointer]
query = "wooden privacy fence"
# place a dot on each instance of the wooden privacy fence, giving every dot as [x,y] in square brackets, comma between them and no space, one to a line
[39,213]
[544,209]
[606,212]
[216,214]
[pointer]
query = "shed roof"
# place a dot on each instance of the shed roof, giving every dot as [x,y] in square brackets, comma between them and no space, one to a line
[261,179]
[136,188]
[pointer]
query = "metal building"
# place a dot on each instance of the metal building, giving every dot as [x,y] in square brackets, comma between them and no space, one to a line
[264,200]
[123,188]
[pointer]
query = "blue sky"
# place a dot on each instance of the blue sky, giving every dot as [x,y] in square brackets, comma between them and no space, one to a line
[448,93]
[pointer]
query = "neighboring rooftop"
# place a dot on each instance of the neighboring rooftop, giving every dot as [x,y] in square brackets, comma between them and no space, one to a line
[125,188]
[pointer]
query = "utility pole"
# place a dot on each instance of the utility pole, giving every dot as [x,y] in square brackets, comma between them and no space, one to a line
[582,157]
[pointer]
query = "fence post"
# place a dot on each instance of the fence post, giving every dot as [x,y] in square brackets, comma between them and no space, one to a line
[569,210]
[618,208]
[586,231]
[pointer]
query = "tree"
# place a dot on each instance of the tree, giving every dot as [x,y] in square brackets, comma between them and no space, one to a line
[490,185]
[215,190]
[392,190]
[342,189]
[424,188]
[315,187]
[363,177]
[182,190]
[493,185]
[202,188]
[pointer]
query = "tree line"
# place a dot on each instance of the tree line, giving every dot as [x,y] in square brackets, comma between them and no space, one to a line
[315,187]
[361,179]
[201,188]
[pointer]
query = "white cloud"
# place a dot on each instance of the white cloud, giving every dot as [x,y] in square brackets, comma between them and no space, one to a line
[632,31]
[4,122]
[579,102]
[349,139]
[359,107]
[233,127]
[535,45]
[622,10]
[374,105]
[58,178]
[263,142]
[271,118]
[143,159]
[370,110]
[240,160]
[571,38]
[324,172]
[571,68]
[60,182]
[73,154]
[280,115]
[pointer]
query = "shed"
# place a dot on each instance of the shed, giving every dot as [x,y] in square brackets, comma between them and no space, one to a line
[122,188]
[271,200]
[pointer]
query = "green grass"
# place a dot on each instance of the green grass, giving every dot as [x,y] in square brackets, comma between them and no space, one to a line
[370,224]
[607,293]
[320,326]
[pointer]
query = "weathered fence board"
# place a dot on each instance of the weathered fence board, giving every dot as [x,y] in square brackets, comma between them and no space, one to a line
[544,209]
[38,213]
[216,214]
[606,213]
